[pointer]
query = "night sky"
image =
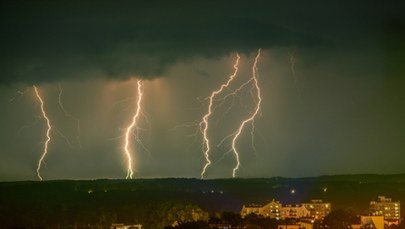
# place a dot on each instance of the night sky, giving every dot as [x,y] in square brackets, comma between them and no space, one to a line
[331,73]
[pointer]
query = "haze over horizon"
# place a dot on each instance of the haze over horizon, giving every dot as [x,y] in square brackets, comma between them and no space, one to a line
[331,76]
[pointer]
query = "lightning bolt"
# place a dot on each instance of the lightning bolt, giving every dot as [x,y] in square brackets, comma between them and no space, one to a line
[291,55]
[48,131]
[292,58]
[18,93]
[204,122]
[251,118]
[129,129]
[69,115]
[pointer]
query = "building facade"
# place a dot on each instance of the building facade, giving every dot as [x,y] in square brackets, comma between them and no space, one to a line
[374,222]
[318,209]
[390,210]
[294,211]
[315,209]
[123,226]
[271,209]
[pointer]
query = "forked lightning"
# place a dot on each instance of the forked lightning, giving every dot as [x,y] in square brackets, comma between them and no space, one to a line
[235,136]
[251,118]
[130,128]
[204,122]
[48,133]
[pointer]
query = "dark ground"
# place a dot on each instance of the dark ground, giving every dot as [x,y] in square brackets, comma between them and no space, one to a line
[65,200]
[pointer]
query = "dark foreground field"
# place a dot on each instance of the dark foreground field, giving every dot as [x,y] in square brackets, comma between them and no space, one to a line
[69,201]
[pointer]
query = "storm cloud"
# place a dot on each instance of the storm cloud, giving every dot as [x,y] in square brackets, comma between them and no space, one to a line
[339,109]
[46,41]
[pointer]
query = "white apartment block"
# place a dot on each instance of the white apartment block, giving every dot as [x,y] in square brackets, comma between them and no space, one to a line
[318,209]
[391,210]
[315,209]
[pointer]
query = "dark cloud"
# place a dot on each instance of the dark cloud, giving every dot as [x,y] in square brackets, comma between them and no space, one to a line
[46,41]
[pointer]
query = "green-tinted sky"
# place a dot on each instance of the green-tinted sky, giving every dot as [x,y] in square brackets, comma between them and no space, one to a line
[332,77]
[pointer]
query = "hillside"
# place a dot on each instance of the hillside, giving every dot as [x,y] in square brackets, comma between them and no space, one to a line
[78,200]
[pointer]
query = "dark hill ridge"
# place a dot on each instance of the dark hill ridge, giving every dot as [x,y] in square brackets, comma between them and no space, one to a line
[50,197]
